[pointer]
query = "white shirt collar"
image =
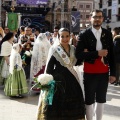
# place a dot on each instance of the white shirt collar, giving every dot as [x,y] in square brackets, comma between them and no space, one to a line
[95,30]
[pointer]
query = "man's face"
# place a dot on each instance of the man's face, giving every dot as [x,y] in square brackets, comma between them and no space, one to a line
[28,31]
[6,30]
[96,19]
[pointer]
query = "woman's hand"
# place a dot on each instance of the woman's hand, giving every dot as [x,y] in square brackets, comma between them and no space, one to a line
[7,60]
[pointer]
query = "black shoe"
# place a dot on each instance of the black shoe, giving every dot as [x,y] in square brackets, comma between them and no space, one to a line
[116,84]
[20,96]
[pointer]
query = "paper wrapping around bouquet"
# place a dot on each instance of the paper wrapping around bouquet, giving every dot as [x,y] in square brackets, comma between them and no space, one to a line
[45,98]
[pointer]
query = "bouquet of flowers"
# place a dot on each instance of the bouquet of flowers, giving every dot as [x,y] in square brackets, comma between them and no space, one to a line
[46,83]
[26,54]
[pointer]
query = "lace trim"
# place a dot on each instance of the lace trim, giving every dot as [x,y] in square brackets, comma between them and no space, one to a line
[72,63]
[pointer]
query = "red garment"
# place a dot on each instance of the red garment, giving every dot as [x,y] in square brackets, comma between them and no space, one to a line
[97,67]
[40,72]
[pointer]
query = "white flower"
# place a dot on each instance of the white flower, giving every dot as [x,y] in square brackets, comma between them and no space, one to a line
[31,52]
[27,53]
[44,79]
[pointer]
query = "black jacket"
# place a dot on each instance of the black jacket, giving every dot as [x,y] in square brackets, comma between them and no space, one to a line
[88,41]
[117,48]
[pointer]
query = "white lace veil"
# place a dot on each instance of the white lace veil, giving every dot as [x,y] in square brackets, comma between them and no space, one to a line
[15,58]
[39,54]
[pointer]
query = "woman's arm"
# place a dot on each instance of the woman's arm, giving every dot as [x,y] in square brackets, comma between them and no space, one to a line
[7,59]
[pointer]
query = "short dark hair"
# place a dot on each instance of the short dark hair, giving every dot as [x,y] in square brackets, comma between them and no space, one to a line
[56,27]
[116,30]
[37,29]
[22,28]
[97,11]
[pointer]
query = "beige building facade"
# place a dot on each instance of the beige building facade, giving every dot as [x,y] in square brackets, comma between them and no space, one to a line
[111,9]
[60,12]
[85,7]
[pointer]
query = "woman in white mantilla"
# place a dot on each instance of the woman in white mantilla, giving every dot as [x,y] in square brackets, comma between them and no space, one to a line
[16,84]
[68,101]
[5,52]
[39,57]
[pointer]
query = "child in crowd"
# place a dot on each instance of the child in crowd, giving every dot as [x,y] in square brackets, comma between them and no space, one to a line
[16,84]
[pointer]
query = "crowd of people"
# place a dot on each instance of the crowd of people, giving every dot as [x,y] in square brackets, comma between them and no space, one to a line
[30,53]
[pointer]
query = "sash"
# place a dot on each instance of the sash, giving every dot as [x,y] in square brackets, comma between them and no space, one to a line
[67,61]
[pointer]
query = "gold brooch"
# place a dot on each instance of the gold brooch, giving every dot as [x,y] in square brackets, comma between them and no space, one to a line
[63,55]
[103,35]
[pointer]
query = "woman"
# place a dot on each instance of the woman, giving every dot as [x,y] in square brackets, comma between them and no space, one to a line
[39,57]
[116,40]
[68,102]
[16,84]
[5,51]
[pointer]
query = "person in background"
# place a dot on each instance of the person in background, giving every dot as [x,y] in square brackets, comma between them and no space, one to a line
[27,41]
[55,35]
[6,30]
[73,40]
[37,31]
[95,48]
[68,102]
[49,37]
[116,40]
[22,32]
[5,52]
[39,57]
[16,84]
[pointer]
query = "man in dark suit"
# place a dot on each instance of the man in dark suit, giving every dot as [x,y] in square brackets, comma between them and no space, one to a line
[95,49]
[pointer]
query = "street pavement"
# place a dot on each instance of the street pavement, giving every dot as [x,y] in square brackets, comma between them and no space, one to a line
[25,108]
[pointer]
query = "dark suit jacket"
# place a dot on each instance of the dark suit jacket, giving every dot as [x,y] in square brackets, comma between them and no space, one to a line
[117,48]
[88,41]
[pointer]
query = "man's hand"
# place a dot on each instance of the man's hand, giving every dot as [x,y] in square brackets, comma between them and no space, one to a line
[85,50]
[103,53]
[112,79]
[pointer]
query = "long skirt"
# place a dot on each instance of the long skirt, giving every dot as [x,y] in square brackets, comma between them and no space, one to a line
[4,70]
[16,83]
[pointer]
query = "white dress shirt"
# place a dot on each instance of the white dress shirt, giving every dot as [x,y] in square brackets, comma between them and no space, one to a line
[97,34]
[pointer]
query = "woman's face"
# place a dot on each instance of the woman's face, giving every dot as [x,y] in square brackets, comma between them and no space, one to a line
[64,37]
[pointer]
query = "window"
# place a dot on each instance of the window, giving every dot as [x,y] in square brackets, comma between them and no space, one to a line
[87,16]
[81,6]
[81,16]
[87,6]
[87,25]
[109,2]
[118,14]
[81,25]
[100,4]
[109,13]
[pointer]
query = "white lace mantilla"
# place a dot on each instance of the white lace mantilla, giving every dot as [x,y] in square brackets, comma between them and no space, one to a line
[15,60]
[6,49]
[64,59]
[40,54]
